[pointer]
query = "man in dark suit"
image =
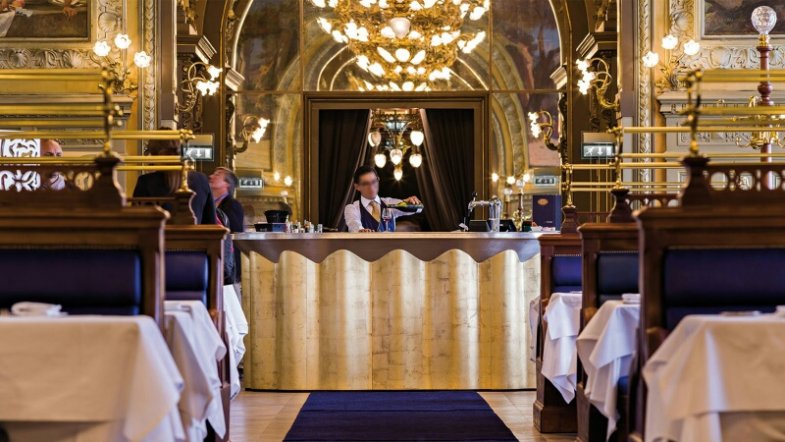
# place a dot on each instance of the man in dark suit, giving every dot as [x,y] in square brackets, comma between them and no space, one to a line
[165,183]
[223,183]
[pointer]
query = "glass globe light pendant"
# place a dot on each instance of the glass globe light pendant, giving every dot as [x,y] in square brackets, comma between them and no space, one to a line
[396,156]
[380,160]
[415,160]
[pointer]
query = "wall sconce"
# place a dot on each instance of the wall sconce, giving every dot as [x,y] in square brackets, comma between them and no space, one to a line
[670,42]
[599,79]
[196,84]
[253,130]
[119,67]
[288,181]
[495,177]
[541,124]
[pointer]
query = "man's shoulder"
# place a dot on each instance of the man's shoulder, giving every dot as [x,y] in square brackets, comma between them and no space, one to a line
[353,205]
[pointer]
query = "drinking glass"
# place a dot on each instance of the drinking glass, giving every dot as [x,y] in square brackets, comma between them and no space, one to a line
[388,221]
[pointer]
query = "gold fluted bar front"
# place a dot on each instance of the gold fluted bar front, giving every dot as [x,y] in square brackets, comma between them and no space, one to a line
[393,323]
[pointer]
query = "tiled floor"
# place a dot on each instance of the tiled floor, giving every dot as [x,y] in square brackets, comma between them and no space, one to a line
[265,417]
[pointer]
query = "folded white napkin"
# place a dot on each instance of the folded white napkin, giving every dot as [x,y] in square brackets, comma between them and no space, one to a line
[631,298]
[176,306]
[36,309]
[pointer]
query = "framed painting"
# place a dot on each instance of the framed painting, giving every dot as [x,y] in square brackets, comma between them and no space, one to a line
[45,20]
[731,18]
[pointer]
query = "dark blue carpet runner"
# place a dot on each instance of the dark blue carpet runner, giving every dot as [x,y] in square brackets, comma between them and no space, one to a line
[398,416]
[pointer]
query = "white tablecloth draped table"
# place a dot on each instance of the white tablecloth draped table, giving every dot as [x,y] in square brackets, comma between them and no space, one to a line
[196,347]
[236,330]
[559,360]
[606,347]
[718,378]
[88,378]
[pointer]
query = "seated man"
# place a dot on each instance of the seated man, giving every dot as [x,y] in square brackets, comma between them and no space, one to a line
[365,214]
[56,180]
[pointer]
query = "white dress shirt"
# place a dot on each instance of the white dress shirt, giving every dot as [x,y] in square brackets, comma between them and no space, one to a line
[353,217]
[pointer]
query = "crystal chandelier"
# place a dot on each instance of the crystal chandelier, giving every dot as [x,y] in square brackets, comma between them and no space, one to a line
[394,133]
[404,45]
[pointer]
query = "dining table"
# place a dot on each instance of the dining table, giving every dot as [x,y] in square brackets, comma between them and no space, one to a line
[606,348]
[88,378]
[718,378]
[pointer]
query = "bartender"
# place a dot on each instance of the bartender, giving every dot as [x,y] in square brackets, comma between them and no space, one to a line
[365,214]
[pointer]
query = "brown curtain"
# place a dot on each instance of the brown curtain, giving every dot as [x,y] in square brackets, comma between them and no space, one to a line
[343,147]
[446,177]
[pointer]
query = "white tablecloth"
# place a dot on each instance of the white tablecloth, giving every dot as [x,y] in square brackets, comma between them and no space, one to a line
[236,329]
[534,319]
[711,372]
[88,378]
[196,347]
[606,347]
[559,360]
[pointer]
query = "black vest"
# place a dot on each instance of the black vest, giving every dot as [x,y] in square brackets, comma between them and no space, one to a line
[368,221]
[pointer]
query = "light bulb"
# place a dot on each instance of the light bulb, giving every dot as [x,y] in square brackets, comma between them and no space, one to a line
[407,86]
[535,129]
[387,32]
[507,191]
[400,26]
[122,41]
[477,13]
[403,55]
[763,19]
[380,159]
[386,55]
[257,134]
[669,42]
[101,48]
[142,60]
[418,57]
[202,86]
[288,181]
[276,176]
[582,65]
[324,24]
[213,72]
[376,69]
[511,180]
[417,137]
[692,47]
[495,177]
[415,160]
[319,3]
[373,139]
[396,156]
[526,177]
[398,173]
[651,59]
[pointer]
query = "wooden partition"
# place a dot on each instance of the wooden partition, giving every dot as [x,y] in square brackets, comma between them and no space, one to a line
[92,219]
[551,413]
[618,235]
[739,216]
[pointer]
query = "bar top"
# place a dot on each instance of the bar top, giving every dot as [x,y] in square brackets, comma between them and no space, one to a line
[372,246]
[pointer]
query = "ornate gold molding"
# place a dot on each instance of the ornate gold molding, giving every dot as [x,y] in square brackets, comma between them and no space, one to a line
[148,87]
[644,82]
[107,21]
[733,53]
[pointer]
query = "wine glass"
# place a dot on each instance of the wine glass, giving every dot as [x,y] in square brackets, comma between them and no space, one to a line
[388,222]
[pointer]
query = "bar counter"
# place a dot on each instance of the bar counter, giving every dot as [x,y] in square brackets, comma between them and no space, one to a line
[388,311]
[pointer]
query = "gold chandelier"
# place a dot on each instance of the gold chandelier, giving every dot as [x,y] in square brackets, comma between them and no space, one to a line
[404,45]
[395,132]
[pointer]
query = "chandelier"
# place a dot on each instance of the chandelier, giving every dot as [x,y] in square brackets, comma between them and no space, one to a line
[404,45]
[396,132]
